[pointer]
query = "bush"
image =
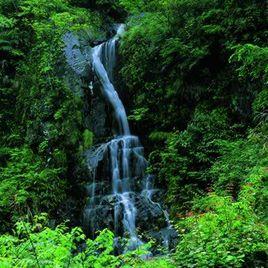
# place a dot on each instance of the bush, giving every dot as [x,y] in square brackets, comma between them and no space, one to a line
[186,161]
[26,186]
[227,234]
[35,245]
[229,230]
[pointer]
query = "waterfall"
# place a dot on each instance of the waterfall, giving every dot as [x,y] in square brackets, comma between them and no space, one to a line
[122,163]
[121,149]
[103,61]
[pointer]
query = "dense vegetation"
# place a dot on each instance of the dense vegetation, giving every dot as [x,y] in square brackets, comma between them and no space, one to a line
[195,76]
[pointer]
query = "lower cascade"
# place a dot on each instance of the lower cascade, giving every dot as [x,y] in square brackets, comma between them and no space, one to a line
[125,162]
[120,194]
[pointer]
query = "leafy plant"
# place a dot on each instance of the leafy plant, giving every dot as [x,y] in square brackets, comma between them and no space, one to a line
[226,234]
[26,186]
[35,245]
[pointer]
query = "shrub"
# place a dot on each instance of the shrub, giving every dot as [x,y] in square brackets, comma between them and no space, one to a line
[35,245]
[27,186]
[227,234]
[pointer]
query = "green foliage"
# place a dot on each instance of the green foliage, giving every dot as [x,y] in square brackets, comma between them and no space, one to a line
[138,114]
[161,262]
[198,69]
[88,138]
[27,186]
[99,252]
[253,61]
[35,245]
[238,159]
[54,107]
[107,8]
[9,55]
[260,106]
[228,234]
[37,104]
[132,6]
[139,6]
[229,230]
[42,9]
[176,55]
[8,40]
[184,164]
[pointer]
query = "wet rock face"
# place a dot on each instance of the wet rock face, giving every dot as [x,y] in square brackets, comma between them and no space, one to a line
[102,214]
[77,55]
[166,237]
[81,79]
[150,219]
[113,198]
[149,212]
[100,121]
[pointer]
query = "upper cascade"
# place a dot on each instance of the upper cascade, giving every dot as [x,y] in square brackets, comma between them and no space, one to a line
[103,61]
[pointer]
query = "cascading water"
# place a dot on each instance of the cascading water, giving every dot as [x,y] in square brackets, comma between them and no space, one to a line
[114,198]
[122,152]
[121,149]
[103,61]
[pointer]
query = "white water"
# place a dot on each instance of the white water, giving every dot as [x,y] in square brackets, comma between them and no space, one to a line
[103,61]
[125,157]
[122,154]
[121,149]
